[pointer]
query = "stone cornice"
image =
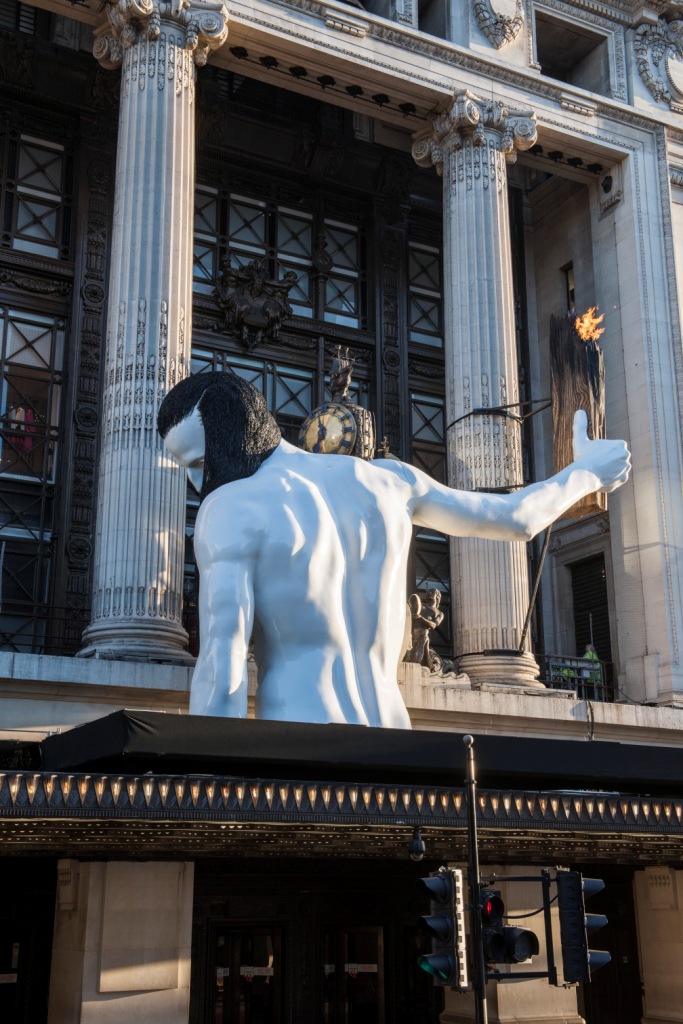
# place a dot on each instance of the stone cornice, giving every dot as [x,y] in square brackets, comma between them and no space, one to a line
[449,54]
[203,23]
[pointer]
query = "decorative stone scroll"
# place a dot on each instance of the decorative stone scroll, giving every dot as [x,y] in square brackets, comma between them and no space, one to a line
[478,127]
[203,24]
[498,27]
[659,52]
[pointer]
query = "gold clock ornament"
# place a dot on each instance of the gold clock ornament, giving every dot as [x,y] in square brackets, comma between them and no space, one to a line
[339,427]
[329,430]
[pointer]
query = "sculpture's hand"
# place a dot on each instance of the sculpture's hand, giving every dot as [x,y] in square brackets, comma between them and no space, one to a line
[609,461]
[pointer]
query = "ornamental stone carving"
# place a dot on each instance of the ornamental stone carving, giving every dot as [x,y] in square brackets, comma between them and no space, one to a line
[659,51]
[202,23]
[254,305]
[478,131]
[498,27]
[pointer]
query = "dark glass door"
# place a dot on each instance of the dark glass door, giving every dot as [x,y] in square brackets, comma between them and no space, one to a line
[353,976]
[248,976]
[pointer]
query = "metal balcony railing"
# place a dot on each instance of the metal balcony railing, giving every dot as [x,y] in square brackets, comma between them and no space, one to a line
[592,679]
[40,629]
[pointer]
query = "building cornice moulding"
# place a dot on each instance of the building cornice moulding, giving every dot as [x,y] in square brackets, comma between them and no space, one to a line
[452,56]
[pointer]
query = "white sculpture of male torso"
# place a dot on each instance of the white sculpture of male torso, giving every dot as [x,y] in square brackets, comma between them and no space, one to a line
[310,553]
[302,548]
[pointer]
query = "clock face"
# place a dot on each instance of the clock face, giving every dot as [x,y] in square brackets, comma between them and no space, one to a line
[329,430]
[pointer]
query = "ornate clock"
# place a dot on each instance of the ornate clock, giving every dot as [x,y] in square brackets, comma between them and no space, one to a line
[339,427]
[329,430]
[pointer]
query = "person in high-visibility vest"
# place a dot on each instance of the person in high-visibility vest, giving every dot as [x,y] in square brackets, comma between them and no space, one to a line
[594,674]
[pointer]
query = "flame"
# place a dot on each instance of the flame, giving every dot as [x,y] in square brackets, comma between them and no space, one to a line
[586,326]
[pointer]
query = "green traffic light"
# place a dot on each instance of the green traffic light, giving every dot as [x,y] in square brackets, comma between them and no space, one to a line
[439,965]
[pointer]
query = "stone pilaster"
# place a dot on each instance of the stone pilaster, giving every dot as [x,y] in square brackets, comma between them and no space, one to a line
[140,539]
[470,146]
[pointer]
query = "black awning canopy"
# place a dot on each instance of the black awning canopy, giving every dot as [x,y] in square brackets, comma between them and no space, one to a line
[148,741]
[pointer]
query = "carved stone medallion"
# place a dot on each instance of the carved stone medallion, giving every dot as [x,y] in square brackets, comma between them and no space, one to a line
[500,26]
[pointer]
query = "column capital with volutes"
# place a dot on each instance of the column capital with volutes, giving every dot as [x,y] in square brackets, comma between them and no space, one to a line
[203,25]
[482,122]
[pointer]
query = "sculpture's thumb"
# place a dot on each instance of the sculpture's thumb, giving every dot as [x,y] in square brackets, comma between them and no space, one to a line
[580,431]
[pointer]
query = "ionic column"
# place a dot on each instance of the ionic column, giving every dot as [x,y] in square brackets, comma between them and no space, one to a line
[469,146]
[139,553]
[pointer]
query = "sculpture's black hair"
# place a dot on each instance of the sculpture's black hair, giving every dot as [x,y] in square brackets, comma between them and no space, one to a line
[239,431]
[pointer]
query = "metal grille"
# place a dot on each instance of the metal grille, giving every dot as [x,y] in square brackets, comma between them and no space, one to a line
[30,431]
[36,204]
[252,228]
[17,16]
[425,306]
[207,239]
[342,291]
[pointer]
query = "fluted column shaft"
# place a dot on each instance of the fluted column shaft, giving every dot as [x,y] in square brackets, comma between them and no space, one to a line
[140,541]
[470,146]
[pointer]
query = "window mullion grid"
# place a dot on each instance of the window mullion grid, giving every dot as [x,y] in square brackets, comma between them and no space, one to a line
[34,543]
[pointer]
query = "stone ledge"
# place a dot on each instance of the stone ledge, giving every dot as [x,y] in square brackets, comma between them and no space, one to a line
[548,713]
[94,671]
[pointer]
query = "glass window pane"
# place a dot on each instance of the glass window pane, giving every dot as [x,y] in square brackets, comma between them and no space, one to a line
[248,369]
[39,168]
[293,393]
[425,320]
[294,235]
[300,294]
[341,295]
[206,213]
[425,307]
[427,418]
[29,343]
[247,226]
[342,246]
[424,269]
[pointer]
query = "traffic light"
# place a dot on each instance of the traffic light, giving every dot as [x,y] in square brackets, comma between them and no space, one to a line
[578,961]
[447,962]
[503,944]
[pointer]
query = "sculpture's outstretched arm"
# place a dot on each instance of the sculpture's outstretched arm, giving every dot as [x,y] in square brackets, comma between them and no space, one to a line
[226,613]
[598,466]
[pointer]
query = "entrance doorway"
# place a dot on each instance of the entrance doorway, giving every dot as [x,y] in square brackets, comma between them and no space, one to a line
[310,942]
[248,975]
[354,976]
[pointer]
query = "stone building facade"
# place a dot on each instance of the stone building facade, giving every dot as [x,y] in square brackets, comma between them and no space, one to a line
[437,179]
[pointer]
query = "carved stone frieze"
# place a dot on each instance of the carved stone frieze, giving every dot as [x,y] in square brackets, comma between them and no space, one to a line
[31,283]
[659,51]
[202,25]
[79,524]
[499,28]
[393,186]
[421,368]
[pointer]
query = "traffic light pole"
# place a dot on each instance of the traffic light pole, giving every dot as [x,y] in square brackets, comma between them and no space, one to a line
[479,985]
